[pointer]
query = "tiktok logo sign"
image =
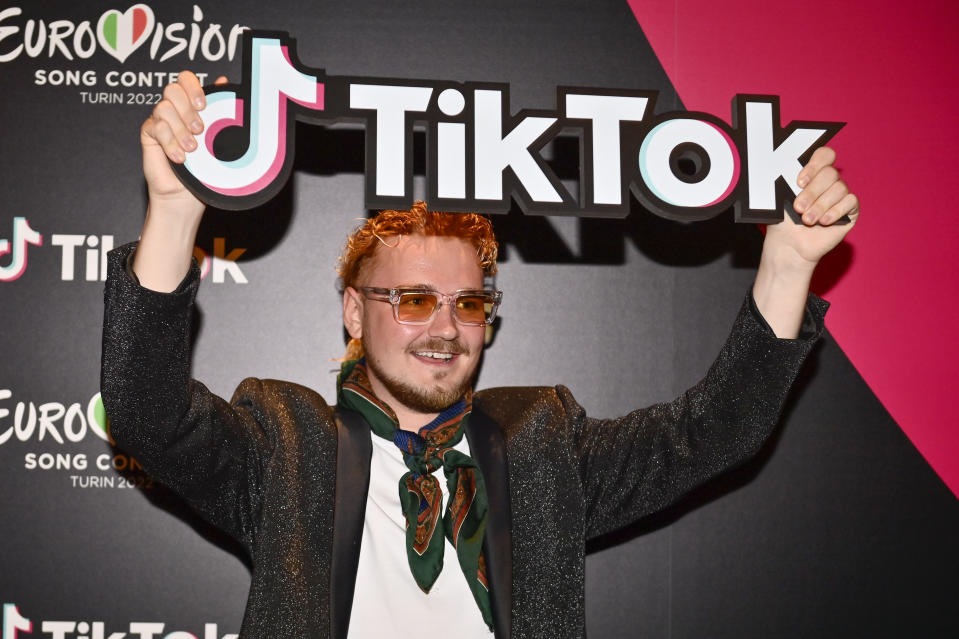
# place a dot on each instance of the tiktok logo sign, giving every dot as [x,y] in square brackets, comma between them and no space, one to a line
[681,165]
[274,83]
[17,248]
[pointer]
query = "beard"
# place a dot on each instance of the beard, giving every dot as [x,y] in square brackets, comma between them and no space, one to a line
[424,399]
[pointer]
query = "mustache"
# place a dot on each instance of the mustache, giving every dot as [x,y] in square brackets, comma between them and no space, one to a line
[454,347]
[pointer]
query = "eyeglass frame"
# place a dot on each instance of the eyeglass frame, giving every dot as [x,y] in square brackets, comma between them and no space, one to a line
[392,295]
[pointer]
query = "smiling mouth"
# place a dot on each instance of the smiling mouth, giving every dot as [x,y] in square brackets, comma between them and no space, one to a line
[439,351]
[435,356]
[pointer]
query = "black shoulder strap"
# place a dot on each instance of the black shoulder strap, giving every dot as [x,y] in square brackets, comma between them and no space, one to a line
[354,450]
[488,448]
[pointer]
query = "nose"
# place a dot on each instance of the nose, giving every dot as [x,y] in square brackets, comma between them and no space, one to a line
[443,324]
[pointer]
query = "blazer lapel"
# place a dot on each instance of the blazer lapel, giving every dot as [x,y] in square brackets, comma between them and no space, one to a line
[353,452]
[488,448]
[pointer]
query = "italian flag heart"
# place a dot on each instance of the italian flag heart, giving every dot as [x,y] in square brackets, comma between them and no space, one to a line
[120,34]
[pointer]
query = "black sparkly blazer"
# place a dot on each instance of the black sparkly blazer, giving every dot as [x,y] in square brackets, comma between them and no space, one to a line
[286,474]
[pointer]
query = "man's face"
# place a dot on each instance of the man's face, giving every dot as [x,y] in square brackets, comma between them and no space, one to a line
[421,368]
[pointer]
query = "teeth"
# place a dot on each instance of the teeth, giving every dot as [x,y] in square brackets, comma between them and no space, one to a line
[435,355]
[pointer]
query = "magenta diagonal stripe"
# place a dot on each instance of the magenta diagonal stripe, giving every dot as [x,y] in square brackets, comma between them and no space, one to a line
[885,68]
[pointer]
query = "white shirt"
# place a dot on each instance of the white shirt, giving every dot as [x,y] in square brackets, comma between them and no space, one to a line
[387,603]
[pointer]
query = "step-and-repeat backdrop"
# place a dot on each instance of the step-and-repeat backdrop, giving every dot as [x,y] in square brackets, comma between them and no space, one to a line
[841,527]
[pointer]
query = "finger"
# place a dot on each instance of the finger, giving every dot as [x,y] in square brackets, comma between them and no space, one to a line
[821,158]
[826,200]
[158,133]
[805,202]
[166,127]
[184,111]
[191,86]
[848,205]
[220,80]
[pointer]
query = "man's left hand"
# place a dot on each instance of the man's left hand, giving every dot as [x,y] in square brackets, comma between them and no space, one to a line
[791,251]
[823,201]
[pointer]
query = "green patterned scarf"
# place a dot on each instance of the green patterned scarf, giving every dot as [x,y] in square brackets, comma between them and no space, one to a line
[432,448]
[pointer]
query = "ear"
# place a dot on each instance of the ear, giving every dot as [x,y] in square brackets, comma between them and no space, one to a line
[353,312]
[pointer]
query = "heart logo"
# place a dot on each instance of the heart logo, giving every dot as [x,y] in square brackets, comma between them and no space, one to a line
[98,420]
[120,34]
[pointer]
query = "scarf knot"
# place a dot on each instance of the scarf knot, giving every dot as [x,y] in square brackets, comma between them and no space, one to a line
[421,497]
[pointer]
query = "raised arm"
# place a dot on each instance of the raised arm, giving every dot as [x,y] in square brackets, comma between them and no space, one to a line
[642,462]
[792,251]
[173,214]
[209,451]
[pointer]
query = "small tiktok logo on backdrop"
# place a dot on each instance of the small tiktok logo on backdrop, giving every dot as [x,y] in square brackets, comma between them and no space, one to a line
[84,256]
[13,624]
[23,236]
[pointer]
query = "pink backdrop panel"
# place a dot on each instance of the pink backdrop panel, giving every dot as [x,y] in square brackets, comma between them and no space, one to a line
[888,69]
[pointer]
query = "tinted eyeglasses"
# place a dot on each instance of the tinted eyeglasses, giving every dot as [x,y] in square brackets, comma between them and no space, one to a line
[471,307]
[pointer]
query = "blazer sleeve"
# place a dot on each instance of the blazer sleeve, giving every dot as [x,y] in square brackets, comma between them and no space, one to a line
[208,451]
[640,463]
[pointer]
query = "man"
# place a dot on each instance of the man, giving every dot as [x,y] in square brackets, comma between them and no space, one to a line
[362,498]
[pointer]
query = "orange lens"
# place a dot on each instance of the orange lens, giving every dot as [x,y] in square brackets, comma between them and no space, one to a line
[415,307]
[473,308]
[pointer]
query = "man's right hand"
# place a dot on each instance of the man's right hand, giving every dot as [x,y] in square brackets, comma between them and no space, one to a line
[173,213]
[169,134]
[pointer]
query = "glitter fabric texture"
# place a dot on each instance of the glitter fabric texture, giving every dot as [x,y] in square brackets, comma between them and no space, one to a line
[262,467]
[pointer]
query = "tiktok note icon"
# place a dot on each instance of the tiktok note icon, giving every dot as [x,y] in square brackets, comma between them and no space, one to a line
[17,248]
[276,91]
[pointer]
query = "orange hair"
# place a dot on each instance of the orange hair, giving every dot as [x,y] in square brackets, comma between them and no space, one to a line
[361,245]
